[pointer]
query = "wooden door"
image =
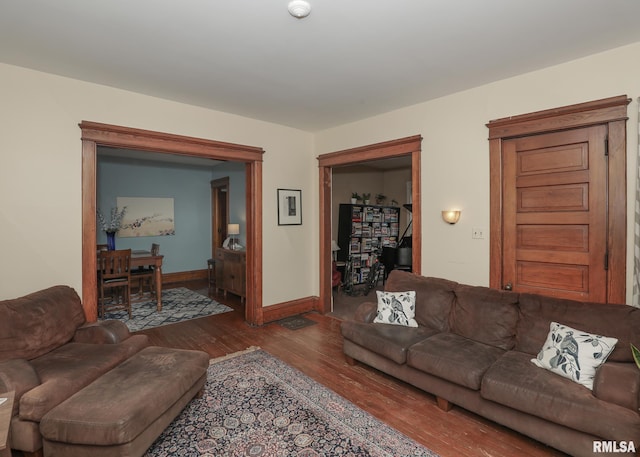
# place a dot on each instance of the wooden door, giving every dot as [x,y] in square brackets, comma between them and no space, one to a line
[558,201]
[555,213]
[219,212]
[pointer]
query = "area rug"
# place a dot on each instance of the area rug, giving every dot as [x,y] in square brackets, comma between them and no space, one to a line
[179,304]
[256,405]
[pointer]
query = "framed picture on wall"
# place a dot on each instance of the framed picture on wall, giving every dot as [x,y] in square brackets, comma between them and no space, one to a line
[289,207]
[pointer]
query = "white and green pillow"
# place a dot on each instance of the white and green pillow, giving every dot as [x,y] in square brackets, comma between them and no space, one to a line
[397,308]
[574,354]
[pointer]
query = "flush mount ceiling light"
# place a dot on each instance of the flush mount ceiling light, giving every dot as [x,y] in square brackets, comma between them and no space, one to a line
[299,8]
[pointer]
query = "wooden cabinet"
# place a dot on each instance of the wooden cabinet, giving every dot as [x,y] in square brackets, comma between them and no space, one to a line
[363,230]
[231,271]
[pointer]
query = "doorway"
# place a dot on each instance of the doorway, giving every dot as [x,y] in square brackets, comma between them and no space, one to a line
[219,212]
[558,202]
[96,134]
[409,146]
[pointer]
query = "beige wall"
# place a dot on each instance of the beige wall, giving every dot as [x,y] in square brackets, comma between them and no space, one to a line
[40,207]
[455,153]
[40,178]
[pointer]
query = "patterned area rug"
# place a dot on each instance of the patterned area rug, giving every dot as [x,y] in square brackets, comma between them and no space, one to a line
[256,405]
[178,305]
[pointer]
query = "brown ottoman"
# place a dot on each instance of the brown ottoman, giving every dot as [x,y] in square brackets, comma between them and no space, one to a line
[125,410]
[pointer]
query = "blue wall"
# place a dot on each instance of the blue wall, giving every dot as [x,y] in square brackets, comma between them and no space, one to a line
[189,186]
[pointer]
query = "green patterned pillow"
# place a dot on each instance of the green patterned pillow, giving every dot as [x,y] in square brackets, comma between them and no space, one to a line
[397,308]
[574,354]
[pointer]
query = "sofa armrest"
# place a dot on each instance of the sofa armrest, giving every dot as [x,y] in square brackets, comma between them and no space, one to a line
[366,312]
[102,332]
[18,375]
[618,383]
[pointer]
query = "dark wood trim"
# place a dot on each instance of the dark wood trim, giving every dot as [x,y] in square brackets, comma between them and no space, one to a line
[291,308]
[89,239]
[184,276]
[404,146]
[94,134]
[148,140]
[566,117]
[253,308]
[611,112]
[616,289]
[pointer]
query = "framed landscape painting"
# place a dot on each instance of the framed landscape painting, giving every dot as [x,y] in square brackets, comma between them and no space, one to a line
[146,217]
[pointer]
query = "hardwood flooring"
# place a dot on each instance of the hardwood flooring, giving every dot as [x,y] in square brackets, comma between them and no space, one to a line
[317,351]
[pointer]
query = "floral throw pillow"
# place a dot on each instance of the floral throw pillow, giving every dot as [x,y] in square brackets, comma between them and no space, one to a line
[397,308]
[574,354]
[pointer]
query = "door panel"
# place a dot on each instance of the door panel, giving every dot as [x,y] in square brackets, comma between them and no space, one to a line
[554,214]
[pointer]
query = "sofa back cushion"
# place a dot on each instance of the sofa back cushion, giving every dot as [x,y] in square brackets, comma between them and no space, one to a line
[33,325]
[616,321]
[434,297]
[485,315]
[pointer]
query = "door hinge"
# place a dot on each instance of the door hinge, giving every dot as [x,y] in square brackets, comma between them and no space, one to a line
[606,145]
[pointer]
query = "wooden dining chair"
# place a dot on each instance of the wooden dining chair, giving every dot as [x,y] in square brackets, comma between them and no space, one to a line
[114,281]
[146,275]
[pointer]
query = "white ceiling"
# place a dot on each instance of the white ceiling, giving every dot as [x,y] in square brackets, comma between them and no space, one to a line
[348,60]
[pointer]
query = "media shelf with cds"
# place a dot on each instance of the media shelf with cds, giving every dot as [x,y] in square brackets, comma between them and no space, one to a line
[363,230]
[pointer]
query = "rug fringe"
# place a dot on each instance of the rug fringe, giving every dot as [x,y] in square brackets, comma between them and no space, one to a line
[234,354]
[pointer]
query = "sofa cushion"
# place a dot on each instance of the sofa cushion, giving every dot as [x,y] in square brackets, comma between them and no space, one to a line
[515,382]
[17,375]
[617,321]
[619,383]
[387,340]
[454,358]
[396,308]
[66,370]
[485,315]
[574,354]
[434,297]
[35,324]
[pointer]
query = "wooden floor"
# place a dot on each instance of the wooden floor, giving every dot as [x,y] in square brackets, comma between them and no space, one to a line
[317,351]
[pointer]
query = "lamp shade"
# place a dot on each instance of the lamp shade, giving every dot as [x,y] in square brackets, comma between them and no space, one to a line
[233,229]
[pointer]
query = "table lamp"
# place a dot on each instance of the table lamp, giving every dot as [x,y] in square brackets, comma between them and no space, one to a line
[334,249]
[232,231]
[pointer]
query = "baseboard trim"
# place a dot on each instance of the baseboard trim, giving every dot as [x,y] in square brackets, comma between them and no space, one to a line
[184,276]
[291,308]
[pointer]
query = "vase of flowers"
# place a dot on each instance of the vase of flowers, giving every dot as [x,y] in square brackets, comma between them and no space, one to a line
[112,226]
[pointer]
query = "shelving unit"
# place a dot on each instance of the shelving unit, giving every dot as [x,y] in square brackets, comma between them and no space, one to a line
[361,230]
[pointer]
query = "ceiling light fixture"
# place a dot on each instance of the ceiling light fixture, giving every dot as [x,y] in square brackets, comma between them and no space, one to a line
[299,8]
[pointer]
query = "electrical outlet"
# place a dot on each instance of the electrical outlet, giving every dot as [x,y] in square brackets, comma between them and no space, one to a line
[477,233]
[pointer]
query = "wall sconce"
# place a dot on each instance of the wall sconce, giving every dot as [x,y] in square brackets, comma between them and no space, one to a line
[451,216]
[232,231]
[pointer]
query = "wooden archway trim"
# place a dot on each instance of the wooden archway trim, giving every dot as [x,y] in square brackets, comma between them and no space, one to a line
[96,134]
[401,147]
[609,111]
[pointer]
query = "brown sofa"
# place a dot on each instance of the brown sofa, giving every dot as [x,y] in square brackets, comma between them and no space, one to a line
[48,353]
[473,348]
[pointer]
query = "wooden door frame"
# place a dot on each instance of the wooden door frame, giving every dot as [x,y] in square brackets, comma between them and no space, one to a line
[611,112]
[404,146]
[96,134]
[216,239]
